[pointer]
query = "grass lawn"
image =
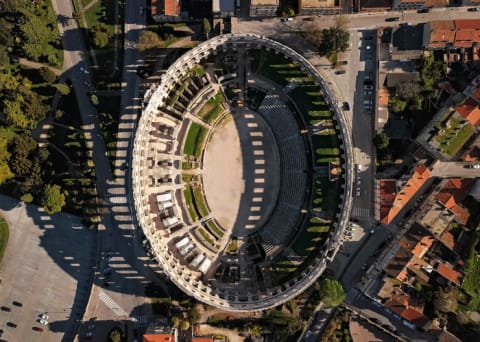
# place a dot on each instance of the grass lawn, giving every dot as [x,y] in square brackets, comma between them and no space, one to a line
[232,246]
[207,237]
[213,108]
[3,236]
[275,67]
[452,140]
[310,237]
[195,139]
[213,227]
[200,201]
[472,280]
[311,103]
[326,147]
[326,195]
[188,196]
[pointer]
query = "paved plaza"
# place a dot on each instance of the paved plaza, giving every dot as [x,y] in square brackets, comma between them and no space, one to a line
[47,267]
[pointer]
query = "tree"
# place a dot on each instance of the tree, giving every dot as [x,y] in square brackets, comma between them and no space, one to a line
[185,325]
[115,335]
[149,40]
[5,173]
[331,292]
[47,74]
[94,99]
[407,90]
[62,88]
[206,27]
[381,140]
[397,105]
[53,199]
[334,40]
[314,37]
[27,198]
[100,35]
[175,322]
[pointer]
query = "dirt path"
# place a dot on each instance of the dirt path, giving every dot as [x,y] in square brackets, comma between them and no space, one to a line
[205,329]
[35,65]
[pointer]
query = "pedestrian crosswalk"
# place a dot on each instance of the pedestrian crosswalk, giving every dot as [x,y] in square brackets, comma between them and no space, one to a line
[360,212]
[112,305]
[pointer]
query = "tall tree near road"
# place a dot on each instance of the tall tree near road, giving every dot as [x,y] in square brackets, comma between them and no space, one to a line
[53,199]
[206,27]
[331,292]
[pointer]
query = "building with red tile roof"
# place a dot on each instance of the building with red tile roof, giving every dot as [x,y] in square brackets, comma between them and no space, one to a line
[448,273]
[409,313]
[470,111]
[159,338]
[452,194]
[165,9]
[202,339]
[461,33]
[392,201]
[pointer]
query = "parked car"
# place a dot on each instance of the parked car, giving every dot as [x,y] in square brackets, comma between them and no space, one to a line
[17,303]
[474,9]
[340,72]
[368,77]
[44,316]
[368,87]
[367,93]
[346,106]
[423,10]
[37,329]
[43,321]
[368,38]
[392,19]
[343,62]
[11,325]
[6,309]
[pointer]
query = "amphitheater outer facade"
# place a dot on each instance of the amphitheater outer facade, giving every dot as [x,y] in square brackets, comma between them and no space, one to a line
[156,98]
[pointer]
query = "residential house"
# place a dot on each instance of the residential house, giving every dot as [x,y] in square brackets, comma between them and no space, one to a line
[403,5]
[308,7]
[263,8]
[470,111]
[165,10]
[459,38]
[394,197]
[451,195]
[375,5]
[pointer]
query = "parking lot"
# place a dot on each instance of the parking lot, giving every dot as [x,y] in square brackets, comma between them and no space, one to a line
[45,270]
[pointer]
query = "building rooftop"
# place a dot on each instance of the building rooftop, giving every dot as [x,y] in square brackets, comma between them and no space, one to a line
[449,273]
[470,111]
[420,176]
[452,194]
[165,7]
[316,3]
[395,78]
[158,338]
[264,3]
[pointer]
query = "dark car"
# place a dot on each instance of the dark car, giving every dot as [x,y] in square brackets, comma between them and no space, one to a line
[6,308]
[343,62]
[368,38]
[17,303]
[37,329]
[340,72]
[346,106]
[474,9]
[392,19]
[423,10]
[11,324]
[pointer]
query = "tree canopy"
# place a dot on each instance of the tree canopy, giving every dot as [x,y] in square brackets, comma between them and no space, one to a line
[206,27]
[100,35]
[331,292]
[381,140]
[334,39]
[53,199]
[149,40]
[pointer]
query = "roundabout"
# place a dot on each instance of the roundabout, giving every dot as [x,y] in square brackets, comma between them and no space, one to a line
[242,173]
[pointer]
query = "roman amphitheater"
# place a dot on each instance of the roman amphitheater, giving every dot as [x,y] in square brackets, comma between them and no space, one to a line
[242,173]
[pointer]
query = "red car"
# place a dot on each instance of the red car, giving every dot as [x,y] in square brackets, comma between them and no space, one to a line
[37,329]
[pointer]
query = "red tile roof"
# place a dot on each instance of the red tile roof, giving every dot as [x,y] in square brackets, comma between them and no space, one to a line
[449,273]
[460,33]
[158,338]
[165,7]
[418,179]
[470,111]
[416,317]
[448,240]
[452,194]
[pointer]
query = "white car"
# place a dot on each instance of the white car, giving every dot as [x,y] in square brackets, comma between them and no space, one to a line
[44,316]
[43,321]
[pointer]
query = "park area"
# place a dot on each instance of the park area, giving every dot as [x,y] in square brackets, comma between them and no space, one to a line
[454,136]
[3,236]
[311,236]
[212,109]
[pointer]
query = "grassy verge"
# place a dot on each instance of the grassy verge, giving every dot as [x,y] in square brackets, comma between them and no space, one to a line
[310,237]
[195,139]
[188,196]
[472,279]
[200,201]
[206,237]
[213,228]
[4,233]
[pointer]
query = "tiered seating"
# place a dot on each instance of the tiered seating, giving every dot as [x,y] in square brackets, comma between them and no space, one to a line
[292,188]
[280,225]
[292,154]
[278,116]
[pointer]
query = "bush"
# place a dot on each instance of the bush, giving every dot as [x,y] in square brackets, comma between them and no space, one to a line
[47,75]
